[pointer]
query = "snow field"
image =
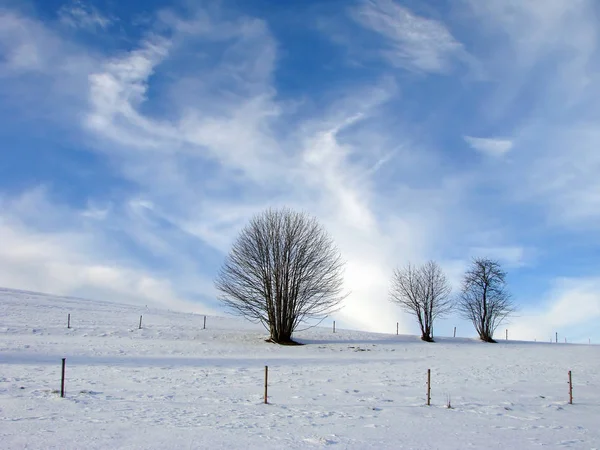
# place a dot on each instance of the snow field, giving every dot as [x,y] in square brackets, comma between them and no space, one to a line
[174,385]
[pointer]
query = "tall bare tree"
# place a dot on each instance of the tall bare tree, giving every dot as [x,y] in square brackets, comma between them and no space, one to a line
[282,270]
[424,292]
[484,299]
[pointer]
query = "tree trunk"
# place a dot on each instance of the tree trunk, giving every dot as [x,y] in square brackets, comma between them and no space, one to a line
[280,336]
[486,338]
[426,337]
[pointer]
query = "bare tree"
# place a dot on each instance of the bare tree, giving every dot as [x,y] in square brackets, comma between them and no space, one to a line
[282,270]
[423,292]
[484,299]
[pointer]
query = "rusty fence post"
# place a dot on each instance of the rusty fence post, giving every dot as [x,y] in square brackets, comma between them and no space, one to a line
[266,383]
[428,387]
[570,389]
[62,379]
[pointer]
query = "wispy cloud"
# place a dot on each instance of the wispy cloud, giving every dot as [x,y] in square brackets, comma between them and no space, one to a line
[81,15]
[490,146]
[549,112]
[115,93]
[411,41]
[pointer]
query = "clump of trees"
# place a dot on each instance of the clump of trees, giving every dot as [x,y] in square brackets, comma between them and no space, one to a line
[424,292]
[282,270]
[484,298]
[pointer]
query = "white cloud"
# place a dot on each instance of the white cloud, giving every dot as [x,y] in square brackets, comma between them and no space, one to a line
[572,305]
[78,14]
[95,212]
[415,42]
[59,255]
[528,37]
[552,112]
[490,146]
[116,91]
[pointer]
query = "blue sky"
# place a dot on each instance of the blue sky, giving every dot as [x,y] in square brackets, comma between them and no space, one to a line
[139,137]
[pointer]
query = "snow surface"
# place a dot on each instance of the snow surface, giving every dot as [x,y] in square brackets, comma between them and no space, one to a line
[174,385]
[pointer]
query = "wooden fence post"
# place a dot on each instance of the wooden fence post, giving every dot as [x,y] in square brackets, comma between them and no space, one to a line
[266,383]
[334,326]
[62,379]
[428,387]
[204,328]
[454,331]
[396,328]
[570,389]
[557,337]
[507,334]
[69,321]
[140,322]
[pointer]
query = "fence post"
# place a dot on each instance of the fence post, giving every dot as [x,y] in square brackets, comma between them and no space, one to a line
[140,322]
[62,379]
[69,321]
[557,337]
[334,326]
[454,331]
[266,383]
[204,328]
[570,389]
[396,328]
[428,387]
[507,334]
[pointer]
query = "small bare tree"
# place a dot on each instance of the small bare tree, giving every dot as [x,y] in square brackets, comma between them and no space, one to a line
[282,270]
[484,299]
[423,292]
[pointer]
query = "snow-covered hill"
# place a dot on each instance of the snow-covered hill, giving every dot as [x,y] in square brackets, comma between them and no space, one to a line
[173,384]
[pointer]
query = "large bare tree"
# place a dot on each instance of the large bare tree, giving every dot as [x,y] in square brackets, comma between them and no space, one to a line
[484,299]
[424,292]
[282,270]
